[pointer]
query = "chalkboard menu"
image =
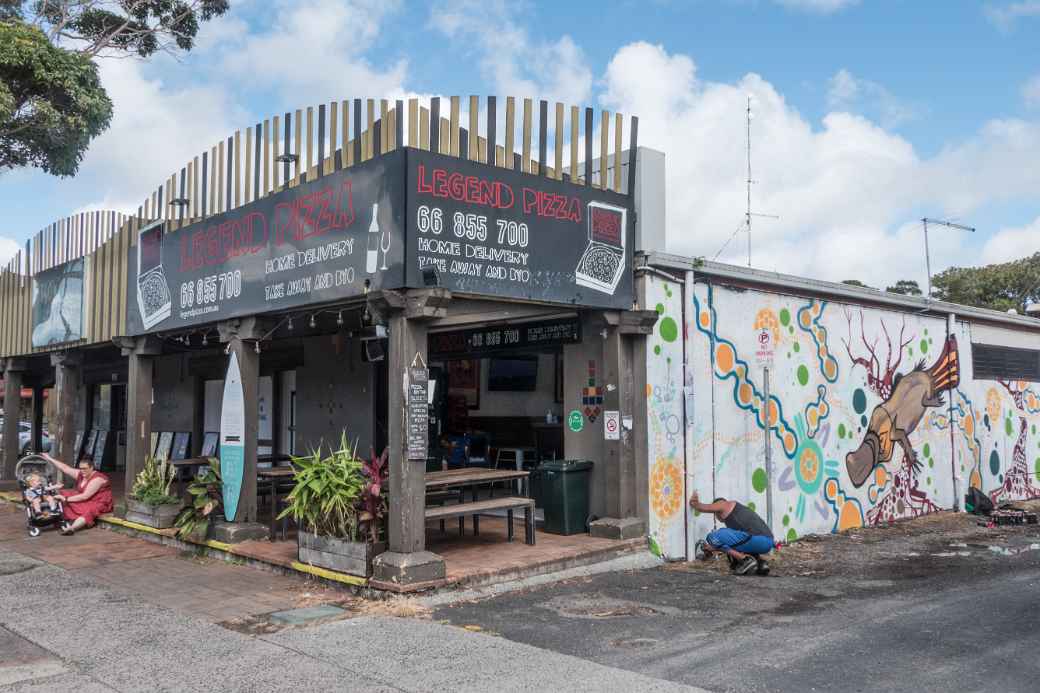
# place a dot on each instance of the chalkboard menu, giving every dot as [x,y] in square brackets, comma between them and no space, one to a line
[418,413]
[209,443]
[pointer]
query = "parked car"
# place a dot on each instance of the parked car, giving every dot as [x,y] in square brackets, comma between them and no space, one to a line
[25,437]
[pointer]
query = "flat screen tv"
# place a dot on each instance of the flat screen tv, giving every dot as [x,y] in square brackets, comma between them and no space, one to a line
[518,374]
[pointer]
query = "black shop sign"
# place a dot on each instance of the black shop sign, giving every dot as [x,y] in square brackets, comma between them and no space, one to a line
[332,238]
[486,230]
[504,338]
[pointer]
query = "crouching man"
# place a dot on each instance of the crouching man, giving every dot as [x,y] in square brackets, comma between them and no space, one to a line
[745,538]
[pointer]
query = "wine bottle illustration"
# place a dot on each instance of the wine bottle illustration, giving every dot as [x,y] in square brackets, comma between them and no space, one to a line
[372,258]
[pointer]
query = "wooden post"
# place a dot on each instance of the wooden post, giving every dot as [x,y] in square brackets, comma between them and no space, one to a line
[66,389]
[14,371]
[140,355]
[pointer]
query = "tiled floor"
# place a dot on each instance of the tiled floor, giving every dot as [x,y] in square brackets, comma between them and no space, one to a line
[207,588]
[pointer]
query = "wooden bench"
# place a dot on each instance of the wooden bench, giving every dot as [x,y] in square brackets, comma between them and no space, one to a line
[507,503]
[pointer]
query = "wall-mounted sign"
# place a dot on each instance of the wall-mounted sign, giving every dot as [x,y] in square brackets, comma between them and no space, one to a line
[417,412]
[332,238]
[487,230]
[612,425]
[500,338]
[57,305]
[576,421]
[765,346]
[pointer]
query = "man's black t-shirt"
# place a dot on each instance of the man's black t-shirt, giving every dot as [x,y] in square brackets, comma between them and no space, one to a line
[744,519]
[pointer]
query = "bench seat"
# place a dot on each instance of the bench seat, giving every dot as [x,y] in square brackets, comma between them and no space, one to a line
[507,503]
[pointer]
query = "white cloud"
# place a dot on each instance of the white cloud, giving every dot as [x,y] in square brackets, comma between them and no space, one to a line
[155,131]
[847,190]
[8,248]
[317,48]
[848,92]
[1005,16]
[819,6]
[1012,244]
[513,62]
[1031,92]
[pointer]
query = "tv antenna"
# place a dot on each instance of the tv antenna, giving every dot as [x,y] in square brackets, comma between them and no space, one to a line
[748,214]
[927,260]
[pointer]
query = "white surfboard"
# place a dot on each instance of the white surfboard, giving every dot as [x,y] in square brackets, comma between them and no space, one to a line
[232,438]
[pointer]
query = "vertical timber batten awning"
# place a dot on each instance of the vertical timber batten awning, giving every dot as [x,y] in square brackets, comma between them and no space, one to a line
[581,159]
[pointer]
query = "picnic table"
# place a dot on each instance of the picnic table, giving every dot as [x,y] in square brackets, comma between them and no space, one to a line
[474,478]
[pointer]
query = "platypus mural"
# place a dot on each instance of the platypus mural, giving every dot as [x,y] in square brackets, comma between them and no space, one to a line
[895,419]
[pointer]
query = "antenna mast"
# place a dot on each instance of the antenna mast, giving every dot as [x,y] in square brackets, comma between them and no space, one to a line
[748,214]
[927,259]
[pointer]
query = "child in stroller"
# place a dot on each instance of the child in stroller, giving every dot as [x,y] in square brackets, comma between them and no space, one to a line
[34,480]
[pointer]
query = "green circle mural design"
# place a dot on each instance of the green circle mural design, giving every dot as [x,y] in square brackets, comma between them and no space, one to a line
[923,346]
[803,375]
[751,506]
[927,450]
[1008,428]
[791,535]
[994,462]
[859,401]
[785,317]
[759,480]
[1037,465]
[657,349]
[787,518]
[797,347]
[841,430]
[659,308]
[669,330]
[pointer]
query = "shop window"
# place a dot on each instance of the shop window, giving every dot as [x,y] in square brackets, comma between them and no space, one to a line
[991,362]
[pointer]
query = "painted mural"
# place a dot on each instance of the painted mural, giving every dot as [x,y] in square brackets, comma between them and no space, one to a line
[665,437]
[858,414]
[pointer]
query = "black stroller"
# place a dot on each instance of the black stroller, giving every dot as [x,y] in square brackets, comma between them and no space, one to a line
[36,521]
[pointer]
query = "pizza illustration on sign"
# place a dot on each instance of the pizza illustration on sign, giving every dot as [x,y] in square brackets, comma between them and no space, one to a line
[603,262]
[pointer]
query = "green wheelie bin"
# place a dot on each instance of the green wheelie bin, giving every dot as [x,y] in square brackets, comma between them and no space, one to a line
[564,492]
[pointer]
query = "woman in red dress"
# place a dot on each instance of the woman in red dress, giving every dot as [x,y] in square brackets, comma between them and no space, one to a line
[91,497]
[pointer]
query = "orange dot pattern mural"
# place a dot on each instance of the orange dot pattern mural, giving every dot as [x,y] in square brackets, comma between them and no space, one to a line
[666,489]
[816,412]
[766,320]
[849,512]
[729,366]
[809,320]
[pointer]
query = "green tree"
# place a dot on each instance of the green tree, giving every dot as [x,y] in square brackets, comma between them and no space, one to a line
[52,103]
[1000,287]
[907,287]
[856,282]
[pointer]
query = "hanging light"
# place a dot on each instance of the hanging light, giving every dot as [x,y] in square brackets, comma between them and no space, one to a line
[205,341]
[339,319]
[256,346]
[290,323]
[313,324]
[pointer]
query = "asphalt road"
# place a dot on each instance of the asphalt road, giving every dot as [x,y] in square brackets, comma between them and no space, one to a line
[60,631]
[926,622]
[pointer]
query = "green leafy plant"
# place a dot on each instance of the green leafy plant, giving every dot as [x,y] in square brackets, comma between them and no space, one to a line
[326,497]
[205,493]
[153,482]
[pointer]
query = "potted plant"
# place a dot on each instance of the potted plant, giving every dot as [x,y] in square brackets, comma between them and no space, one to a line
[204,503]
[332,504]
[150,502]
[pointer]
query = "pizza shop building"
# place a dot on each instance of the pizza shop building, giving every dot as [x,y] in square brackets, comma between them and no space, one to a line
[291,283]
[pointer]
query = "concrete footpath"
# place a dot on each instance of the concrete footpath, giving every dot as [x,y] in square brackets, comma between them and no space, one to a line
[106,639]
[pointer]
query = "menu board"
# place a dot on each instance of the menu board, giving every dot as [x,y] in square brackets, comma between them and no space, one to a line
[499,338]
[162,452]
[418,413]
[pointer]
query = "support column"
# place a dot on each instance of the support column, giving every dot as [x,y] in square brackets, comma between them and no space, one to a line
[407,564]
[36,430]
[620,457]
[140,353]
[66,393]
[14,371]
[241,337]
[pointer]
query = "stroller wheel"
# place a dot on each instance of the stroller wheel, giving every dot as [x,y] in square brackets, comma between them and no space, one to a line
[34,531]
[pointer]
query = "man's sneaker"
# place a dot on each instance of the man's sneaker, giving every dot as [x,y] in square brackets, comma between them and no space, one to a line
[763,567]
[745,566]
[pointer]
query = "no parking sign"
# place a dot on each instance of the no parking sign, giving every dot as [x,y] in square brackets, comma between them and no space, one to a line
[612,425]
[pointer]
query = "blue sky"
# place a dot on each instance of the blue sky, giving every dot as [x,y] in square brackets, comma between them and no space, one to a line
[868,114]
